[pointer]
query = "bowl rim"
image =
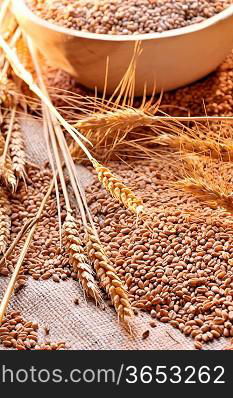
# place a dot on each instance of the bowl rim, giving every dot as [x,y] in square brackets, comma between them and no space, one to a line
[24,9]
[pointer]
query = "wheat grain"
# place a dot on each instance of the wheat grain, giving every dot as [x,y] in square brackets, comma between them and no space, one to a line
[118,189]
[6,170]
[78,259]
[108,277]
[12,283]
[5,221]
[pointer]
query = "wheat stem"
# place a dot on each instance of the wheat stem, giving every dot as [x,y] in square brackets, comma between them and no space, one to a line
[71,233]
[28,224]
[26,76]
[4,7]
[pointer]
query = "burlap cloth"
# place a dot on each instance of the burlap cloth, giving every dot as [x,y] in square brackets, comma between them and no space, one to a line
[85,326]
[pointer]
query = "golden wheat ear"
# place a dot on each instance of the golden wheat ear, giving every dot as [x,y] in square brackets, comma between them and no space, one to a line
[108,277]
[16,148]
[208,179]
[5,221]
[118,189]
[6,169]
[78,259]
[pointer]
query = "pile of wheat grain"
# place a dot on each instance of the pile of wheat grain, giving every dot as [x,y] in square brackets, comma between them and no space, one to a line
[126,17]
[212,95]
[178,266]
[16,332]
[45,259]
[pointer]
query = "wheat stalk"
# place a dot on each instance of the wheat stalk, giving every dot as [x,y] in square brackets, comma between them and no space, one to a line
[110,280]
[78,259]
[6,169]
[106,272]
[27,225]
[70,231]
[118,189]
[73,243]
[5,221]
[108,277]
[110,182]
[27,77]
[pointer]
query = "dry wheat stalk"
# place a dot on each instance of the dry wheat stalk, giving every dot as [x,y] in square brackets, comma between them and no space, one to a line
[118,189]
[27,225]
[11,26]
[27,77]
[105,271]
[109,119]
[70,230]
[73,243]
[78,259]
[5,220]
[108,277]
[6,169]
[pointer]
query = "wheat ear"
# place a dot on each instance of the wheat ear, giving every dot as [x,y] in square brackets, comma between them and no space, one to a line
[208,180]
[78,259]
[107,275]
[118,189]
[6,170]
[209,194]
[17,152]
[120,119]
[210,146]
[5,221]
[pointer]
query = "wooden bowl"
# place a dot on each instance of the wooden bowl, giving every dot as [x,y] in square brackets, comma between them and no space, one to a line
[171,59]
